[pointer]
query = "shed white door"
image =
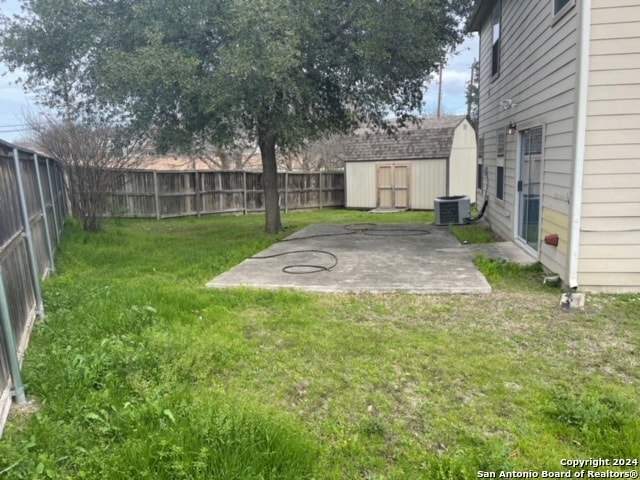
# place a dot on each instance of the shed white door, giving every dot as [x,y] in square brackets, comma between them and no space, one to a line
[393,185]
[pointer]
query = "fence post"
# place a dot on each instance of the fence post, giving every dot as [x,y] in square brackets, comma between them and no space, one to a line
[286,192]
[218,185]
[156,194]
[43,203]
[35,275]
[198,194]
[10,344]
[60,195]
[65,199]
[320,187]
[244,192]
[53,201]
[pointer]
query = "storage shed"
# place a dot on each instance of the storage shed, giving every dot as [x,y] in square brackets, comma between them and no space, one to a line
[434,158]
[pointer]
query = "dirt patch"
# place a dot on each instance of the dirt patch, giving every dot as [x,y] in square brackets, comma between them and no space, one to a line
[24,410]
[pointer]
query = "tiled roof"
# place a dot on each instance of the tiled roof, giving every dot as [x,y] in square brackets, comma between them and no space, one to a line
[431,138]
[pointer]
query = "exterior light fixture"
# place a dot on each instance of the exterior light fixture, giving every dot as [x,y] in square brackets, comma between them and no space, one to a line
[512,128]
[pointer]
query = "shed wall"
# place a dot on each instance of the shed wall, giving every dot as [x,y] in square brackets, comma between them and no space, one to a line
[462,172]
[428,181]
[360,185]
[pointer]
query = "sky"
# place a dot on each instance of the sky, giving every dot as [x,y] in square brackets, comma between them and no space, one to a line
[15,103]
[455,76]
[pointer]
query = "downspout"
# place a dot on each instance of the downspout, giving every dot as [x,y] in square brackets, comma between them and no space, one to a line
[580,129]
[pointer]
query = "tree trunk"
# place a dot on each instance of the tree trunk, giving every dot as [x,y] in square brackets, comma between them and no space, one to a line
[270,185]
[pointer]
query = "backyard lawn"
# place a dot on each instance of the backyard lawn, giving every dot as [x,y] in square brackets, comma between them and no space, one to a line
[140,372]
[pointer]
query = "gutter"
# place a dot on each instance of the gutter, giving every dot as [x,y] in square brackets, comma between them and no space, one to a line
[580,131]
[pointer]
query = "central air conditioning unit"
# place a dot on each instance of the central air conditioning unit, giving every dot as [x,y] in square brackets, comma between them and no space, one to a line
[452,210]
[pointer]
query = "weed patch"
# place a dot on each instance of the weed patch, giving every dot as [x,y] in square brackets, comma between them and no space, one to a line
[473,234]
[505,274]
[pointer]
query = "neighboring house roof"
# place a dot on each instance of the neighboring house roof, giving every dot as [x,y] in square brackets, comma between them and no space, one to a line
[24,147]
[430,139]
[481,10]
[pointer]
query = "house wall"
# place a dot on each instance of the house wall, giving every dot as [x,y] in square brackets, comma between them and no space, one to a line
[462,177]
[538,73]
[428,181]
[610,224]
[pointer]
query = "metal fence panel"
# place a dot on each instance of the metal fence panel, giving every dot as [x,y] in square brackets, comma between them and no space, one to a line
[20,280]
[19,288]
[10,217]
[28,167]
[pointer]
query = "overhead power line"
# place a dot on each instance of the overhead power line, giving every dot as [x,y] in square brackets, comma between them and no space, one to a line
[13,125]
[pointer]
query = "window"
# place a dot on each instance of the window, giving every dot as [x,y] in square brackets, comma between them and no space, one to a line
[480,166]
[558,5]
[500,183]
[534,144]
[502,144]
[495,35]
[501,149]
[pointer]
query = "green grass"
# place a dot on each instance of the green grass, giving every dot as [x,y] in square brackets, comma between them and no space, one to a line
[509,276]
[473,233]
[139,371]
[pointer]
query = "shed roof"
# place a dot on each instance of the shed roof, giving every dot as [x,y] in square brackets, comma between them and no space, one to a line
[430,139]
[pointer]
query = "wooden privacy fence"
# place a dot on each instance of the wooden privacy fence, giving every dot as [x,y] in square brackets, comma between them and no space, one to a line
[32,212]
[175,194]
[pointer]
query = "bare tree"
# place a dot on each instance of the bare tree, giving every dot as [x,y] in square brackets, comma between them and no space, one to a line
[234,156]
[323,154]
[330,153]
[92,155]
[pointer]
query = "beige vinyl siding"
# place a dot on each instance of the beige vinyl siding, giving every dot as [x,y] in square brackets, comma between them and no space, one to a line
[554,222]
[360,185]
[594,196]
[615,282]
[462,176]
[610,237]
[429,180]
[558,223]
[538,72]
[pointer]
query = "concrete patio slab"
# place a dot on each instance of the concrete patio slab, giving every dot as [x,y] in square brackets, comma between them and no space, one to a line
[411,258]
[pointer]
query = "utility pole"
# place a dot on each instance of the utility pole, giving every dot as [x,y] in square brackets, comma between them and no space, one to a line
[439,112]
[468,87]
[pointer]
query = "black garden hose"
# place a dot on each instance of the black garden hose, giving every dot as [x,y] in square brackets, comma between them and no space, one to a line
[302,268]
